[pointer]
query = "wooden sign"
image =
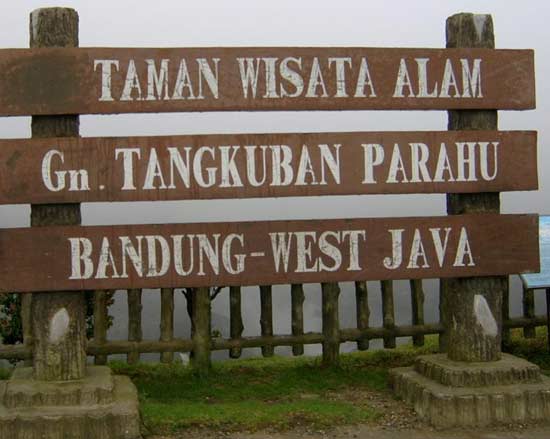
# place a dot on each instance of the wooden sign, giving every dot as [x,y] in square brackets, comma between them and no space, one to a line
[261,253]
[69,170]
[113,80]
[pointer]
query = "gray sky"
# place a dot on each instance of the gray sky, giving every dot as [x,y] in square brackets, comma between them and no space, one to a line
[166,23]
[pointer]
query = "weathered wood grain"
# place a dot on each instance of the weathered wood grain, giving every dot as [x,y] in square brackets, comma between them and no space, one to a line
[473,305]
[69,170]
[62,357]
[127,80]
[242,253]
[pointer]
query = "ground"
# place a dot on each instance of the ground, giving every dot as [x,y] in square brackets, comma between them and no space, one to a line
[287,398]
[369,432]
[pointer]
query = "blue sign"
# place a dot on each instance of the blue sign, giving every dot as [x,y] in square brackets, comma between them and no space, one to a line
[542,279]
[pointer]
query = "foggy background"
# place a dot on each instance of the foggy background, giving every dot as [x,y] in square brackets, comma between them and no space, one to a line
[211,23]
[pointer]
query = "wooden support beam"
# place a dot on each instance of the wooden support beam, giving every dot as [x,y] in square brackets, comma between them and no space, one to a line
[58,319]
[474,299]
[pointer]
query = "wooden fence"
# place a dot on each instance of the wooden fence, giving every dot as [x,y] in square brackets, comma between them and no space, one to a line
[202,341]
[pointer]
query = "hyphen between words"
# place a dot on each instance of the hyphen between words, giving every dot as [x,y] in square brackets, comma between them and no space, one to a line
[202,254]
[284,78]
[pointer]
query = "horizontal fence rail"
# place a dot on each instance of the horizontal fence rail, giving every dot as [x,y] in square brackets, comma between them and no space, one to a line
[100,347]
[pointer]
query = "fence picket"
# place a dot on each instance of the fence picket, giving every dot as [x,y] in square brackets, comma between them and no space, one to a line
[236,326]
[201,315]
[529,311]
[100,322]
[387,311]
[134,321]
[417,299]
[331,324]
[266,317]
[297,310]
[166,321]
[362,312]
[506,315]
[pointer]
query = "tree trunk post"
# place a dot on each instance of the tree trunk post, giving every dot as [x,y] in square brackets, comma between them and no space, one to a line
[473,305]
[58,319]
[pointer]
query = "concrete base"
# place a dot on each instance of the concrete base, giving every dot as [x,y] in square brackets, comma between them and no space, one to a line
[101,406]
[450,394]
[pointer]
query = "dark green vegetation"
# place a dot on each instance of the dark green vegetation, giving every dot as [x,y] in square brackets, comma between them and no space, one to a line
[534,349]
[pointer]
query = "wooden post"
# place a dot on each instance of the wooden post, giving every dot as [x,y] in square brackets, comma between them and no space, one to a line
[443,338]
[297,311]
[134,321]
[236,326]
[58,319]
[26,322]
[387,311]
[100,322]
[201,330]
[473,305]
[506,315]
[362,312]
[417,299]
[331,325]
[529,311]
[266,317]
[166,321]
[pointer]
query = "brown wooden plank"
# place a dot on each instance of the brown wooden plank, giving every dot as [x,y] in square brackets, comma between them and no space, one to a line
[242,253]
[124,80]
[256,165]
